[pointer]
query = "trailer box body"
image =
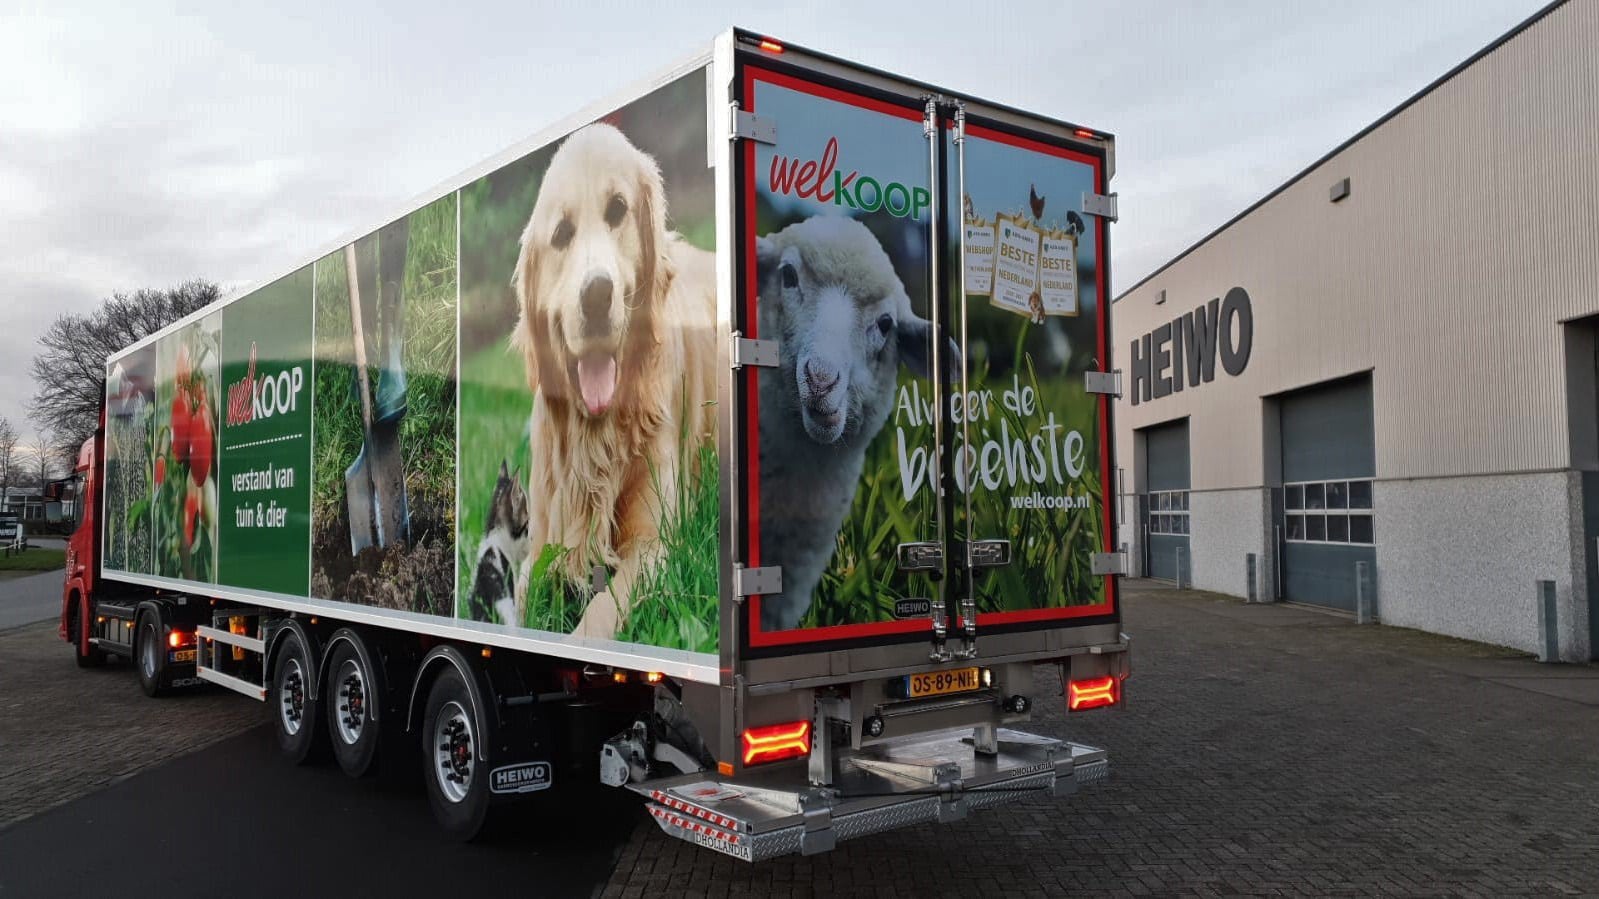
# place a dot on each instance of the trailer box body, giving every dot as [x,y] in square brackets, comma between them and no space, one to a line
[783,379]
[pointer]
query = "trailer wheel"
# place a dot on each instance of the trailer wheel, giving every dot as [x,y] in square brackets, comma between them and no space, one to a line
[85,653]
[150,655]
[293,700]
[457,785]
[354,694]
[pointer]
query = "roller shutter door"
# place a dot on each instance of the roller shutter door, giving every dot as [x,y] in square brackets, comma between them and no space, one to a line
[1164,504]
[1324,508]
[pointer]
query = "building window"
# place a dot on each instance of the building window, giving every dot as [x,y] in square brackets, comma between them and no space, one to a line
[1328,512]
[1168,513]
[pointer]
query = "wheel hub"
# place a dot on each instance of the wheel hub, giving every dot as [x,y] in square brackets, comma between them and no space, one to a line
[452,737]
[292,690]
[352,702]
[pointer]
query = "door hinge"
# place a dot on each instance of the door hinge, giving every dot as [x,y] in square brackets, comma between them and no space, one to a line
[1106,382]
[749,126]
[750,351]
[1102,205]
[757,581]
[1110,563]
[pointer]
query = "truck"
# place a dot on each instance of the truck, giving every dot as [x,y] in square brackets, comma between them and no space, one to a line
[742,441]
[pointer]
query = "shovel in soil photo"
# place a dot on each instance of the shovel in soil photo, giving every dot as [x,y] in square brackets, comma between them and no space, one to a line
[375,483]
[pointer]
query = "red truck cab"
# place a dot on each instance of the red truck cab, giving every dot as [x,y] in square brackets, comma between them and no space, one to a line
[82,562]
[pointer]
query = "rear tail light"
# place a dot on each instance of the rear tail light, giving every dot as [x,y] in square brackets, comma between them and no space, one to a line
[1093,693]
[177,638]
[776,742]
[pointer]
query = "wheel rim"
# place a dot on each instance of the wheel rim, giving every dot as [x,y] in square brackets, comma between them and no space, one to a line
[291,696]
[148,656]
[351,702]
[452,741]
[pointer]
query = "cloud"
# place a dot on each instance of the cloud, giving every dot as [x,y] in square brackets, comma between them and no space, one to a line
[145,144]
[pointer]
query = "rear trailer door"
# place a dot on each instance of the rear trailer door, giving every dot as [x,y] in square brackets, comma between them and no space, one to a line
[1031,448]
[844,443]
[923,463]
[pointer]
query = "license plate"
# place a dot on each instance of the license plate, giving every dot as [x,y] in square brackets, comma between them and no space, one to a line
[937,683]
[183,655]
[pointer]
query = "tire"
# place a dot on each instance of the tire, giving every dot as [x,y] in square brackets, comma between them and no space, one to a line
[457,781]
[86,655]
[353,697]
[150,656]
[296,718]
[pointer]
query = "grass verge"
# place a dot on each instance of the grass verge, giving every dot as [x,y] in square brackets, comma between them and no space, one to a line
[35,560]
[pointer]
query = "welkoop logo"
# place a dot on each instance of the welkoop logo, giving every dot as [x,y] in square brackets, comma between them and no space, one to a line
[1189,345]
[820,180]
[250,399]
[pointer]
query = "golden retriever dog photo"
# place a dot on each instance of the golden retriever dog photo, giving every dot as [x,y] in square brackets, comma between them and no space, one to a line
[616,328]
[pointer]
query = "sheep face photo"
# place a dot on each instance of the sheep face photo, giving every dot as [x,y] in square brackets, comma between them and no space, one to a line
[845,331]
[588,267]
[843,324]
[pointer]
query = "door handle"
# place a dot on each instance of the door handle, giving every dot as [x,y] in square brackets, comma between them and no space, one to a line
[987,554]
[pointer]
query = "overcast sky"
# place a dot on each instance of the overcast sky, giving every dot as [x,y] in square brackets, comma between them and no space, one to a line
[142,144]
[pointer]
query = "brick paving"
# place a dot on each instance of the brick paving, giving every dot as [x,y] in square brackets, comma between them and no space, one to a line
[1265,750]
[66,732]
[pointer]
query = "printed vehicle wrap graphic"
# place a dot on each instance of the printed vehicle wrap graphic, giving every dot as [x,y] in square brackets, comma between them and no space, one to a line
[320,437]
[843,456]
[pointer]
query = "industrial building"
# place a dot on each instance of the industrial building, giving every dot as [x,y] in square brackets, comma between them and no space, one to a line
[1379,379]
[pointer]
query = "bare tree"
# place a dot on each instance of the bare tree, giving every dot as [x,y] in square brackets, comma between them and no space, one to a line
[41,452]
[69,369]
[8,452]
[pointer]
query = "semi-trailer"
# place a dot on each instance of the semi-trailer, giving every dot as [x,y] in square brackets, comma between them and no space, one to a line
[743,441]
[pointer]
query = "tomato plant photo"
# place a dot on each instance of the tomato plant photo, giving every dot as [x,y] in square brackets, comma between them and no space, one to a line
[183,462]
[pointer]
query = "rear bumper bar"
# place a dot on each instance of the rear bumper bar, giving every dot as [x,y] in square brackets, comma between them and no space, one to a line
[907,783]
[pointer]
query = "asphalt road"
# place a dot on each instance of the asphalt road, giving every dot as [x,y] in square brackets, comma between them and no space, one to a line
[235,820]
[24,600]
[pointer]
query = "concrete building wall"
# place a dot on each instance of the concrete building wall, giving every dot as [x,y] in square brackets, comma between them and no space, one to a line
[1463,556]
[1230,525]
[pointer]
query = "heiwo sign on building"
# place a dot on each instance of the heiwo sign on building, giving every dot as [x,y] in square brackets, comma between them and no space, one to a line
[1186,348]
